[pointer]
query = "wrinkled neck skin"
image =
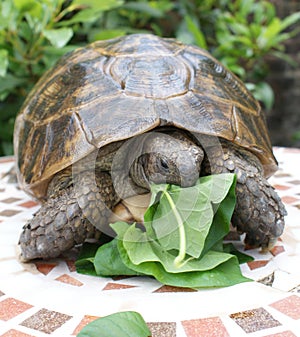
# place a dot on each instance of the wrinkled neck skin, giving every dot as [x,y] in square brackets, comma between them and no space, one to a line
[170,158]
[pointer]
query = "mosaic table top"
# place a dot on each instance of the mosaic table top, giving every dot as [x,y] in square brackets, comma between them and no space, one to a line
[50,298]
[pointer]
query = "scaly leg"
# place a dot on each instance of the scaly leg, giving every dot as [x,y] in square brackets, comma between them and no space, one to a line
[67,218]
[259,211]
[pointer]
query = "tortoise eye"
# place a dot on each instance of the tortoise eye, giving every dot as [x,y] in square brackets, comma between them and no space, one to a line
[164,164]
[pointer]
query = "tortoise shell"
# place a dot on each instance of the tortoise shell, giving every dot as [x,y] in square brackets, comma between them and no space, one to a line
[116,89]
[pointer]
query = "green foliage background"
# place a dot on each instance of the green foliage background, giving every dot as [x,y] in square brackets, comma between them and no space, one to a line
[35,33]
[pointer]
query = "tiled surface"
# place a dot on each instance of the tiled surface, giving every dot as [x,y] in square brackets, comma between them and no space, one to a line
[48,298]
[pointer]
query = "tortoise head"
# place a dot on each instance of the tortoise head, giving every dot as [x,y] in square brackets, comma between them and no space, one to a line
[170,158]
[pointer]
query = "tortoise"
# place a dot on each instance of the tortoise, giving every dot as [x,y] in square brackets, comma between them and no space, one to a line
[112,117]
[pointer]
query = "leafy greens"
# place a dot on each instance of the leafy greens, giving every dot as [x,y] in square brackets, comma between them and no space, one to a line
[180,242]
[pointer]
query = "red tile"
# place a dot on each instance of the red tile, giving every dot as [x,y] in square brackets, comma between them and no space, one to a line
[171,289]
[8,159]
[86,320]
[15,333]
[277,250]
[291,150]
[45,267]
[28,204]
[257,264]
[12,307]
[288,199]
[281,187]
[289,306]
[69,280]
[282,334]
[205,327]
[117,286]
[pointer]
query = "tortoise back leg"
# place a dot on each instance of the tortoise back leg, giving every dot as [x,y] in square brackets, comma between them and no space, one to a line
[259,211]
[68,216]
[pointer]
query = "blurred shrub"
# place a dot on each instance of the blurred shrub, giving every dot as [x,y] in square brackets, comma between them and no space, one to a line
[35,33]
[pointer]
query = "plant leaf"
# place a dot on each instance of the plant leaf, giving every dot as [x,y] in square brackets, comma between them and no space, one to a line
[125,324]
[58,37]
[225,274]
[195,206]
[3,62]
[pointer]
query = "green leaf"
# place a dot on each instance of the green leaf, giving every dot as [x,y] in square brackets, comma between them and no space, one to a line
[85,15]
[125,324]
[145,7]
[142,250]
[225,274]
[108,262]
[58,37]
[263,92]
[154,251]
[85,261]
[3,62]
[194,206]
[196,32]
[230,249]
[290,20]
[107,34]
[11,82]
[266,40]
[97,5]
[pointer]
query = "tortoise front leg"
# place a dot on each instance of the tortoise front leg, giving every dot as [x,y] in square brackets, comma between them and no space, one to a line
[67,218]
[259,211]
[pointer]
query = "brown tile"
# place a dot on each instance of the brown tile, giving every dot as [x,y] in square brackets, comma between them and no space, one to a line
[117,286]
[15,333]
[9,212]
[282,334]
[205,327]
[121,277]
[162,329]
[277,250]
[267,280]
[11,307]
[171,289]
[296,289]
[257,264]
[10,200]
[71,265]
[45,267]
[86,320]
[65,278]
[254,320]
[282,175]
[28,204]
[295,182]
[46,321]
[289,306]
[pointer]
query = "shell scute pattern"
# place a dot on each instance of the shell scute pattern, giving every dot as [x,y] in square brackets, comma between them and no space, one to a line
[116,89]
